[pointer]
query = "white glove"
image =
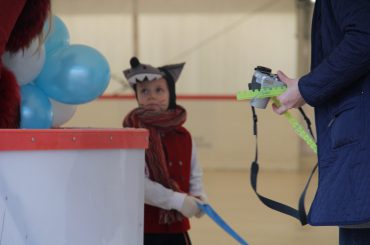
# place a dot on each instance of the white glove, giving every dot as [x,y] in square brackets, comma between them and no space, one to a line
[190,207]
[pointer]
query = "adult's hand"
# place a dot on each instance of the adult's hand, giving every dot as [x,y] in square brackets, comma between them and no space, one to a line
[291,98]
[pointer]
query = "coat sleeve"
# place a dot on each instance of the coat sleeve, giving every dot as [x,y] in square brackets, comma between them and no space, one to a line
[161,197]
[196,175]
[348,61]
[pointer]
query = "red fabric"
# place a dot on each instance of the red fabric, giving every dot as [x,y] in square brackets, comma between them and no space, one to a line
[9,100]
[158,123]
[9,12]
[20,22]
[178,146]
[29,24]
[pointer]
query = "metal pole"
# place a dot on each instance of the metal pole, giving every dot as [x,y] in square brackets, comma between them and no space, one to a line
[135,27]
[304,18]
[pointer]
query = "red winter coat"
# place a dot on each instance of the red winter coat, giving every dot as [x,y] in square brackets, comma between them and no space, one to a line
[177,147]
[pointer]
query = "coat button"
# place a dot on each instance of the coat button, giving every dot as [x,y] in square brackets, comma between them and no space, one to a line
[170,164]
[180,163]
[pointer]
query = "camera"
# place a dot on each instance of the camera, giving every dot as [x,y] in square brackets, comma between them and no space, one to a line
[263,79]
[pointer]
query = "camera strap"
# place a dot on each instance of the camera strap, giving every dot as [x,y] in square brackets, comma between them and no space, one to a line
[299,213]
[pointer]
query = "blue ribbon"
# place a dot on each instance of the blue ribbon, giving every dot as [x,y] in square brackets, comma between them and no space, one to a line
[206,208]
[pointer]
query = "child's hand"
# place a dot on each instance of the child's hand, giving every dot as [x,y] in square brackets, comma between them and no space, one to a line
[203,200]
[190,207]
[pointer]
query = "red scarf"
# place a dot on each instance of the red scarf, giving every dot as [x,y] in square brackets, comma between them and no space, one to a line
[156,123]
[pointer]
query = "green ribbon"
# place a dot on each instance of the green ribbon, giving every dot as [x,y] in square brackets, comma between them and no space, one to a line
[298,128]
[260,94]
[273,92]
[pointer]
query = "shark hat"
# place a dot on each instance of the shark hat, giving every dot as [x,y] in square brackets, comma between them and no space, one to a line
[143,73]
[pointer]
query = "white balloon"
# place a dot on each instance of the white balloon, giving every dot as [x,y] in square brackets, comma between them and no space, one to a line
[26,64]
[62,112]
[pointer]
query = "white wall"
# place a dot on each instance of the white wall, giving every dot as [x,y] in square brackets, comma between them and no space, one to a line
[221,41]
[221,128]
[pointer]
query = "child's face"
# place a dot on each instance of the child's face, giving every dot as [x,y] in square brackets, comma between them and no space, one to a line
[153,95]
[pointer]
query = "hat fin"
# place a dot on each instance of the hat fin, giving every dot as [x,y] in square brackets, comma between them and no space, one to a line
[174,70]
[134,62]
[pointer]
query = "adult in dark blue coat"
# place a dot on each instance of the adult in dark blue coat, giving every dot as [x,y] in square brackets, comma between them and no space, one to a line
[338,87]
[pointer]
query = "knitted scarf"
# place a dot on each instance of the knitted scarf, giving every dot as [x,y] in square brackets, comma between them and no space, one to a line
[156,123]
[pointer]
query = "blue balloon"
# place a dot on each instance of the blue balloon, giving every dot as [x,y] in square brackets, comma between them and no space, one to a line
[74,75]
[57,36]
[36,109]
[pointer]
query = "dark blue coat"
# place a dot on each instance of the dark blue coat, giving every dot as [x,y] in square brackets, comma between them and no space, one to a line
[338,86]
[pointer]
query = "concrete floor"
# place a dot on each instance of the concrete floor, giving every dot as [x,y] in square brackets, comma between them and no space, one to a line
[232,197]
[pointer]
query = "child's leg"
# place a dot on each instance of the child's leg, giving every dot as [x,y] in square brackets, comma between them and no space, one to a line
[167,239]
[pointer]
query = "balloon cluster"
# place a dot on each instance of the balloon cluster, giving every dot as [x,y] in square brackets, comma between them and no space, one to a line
[55,77]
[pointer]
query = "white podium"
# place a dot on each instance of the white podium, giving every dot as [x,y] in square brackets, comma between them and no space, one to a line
[72,186]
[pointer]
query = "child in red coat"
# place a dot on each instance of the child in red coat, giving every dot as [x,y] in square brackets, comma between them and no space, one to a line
[174,179]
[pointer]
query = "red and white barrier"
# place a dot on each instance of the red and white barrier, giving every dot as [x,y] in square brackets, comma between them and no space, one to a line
[72,186]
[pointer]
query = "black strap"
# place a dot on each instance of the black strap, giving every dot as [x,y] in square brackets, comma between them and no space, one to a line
[307,120]
[299,213]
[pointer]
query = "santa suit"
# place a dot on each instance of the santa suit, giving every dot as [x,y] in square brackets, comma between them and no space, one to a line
[20,22]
